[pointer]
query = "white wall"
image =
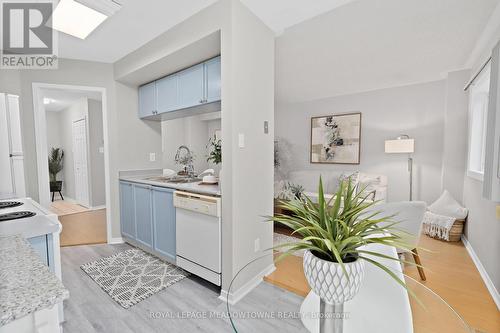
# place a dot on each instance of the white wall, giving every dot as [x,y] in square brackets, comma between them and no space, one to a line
[53,134]
[192,132]
[96,156]
[416,110]
[454,136]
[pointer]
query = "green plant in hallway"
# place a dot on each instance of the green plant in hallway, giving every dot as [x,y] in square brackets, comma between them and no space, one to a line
[215,146]
[335,234]
[56,164]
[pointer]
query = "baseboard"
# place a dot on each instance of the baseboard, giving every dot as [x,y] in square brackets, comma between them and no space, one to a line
[484,275]
[235,297]
[116,240]
[98,207]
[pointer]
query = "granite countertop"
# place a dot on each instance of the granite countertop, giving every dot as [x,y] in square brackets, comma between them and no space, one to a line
[141,177]
[26,284]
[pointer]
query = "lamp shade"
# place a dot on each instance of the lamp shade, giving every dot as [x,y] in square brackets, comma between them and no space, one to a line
[400,146]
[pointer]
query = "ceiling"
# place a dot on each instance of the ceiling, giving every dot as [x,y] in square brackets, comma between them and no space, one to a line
[138,22]
[281,14]
[62,99]
[135,24]
[372,44]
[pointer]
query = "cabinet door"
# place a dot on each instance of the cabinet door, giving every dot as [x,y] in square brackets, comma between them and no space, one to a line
[167,96]
[164,222]
[212,80]
[191,87]
[39,244]
[143,216]
[147,100]
[127,210]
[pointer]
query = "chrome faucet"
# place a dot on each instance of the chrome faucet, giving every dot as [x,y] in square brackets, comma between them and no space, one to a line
[186,160]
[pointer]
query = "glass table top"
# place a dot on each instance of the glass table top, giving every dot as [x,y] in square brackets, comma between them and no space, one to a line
[381,305]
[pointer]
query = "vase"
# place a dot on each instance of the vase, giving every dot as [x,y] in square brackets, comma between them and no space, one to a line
[328,280]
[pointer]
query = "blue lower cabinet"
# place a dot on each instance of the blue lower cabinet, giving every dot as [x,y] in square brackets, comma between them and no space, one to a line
[143,214]
[127,210]
[164,222]
[43,246]
[147,218]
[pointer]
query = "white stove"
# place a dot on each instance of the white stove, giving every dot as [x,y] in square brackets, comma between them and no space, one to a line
[26,217]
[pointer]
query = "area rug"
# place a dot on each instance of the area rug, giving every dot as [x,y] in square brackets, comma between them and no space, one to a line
[279,239]
[131,276]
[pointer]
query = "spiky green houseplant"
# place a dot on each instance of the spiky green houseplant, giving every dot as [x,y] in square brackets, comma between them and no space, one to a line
[337,230]
[56,165]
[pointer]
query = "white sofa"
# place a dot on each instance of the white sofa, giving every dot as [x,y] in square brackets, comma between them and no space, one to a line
[309,179]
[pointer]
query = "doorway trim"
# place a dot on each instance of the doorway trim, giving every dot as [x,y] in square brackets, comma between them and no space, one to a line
[41,145]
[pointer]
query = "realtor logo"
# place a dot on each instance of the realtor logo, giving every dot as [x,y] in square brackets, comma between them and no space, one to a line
[27,38]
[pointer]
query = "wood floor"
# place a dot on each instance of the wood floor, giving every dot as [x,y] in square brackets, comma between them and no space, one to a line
[63,207]
[80,225]
[190,305]
[450,273]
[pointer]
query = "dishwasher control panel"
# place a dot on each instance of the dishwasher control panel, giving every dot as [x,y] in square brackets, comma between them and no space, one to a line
[197,203]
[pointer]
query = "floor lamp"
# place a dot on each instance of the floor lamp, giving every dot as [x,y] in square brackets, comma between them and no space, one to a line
[403,145]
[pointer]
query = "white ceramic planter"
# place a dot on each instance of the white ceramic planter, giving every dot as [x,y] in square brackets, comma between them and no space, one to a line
[328,281]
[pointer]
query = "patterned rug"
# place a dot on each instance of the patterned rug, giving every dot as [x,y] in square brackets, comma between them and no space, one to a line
[132,276]
[279,239]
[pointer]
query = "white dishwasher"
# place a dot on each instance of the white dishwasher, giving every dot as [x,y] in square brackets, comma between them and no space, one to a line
[198,235]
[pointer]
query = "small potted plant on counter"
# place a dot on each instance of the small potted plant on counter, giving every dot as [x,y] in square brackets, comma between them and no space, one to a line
[215,154]
[55,166]
[335,234]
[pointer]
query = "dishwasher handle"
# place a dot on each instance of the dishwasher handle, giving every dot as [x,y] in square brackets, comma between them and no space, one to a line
[198,203]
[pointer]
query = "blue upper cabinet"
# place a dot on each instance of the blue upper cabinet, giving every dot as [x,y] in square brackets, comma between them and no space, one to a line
[212,80]
[191,87]
[127,210]
[147,100]
[143,215]
[167,94]
[195,86]
[164,222]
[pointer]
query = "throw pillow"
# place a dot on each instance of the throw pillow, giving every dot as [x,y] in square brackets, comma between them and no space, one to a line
[447,205]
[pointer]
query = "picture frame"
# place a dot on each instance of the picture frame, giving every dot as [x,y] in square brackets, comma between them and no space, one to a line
[336,139]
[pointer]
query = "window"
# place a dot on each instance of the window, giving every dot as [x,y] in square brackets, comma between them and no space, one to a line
[478,113]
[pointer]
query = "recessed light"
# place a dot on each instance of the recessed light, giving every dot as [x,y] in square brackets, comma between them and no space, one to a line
[48,100]
[80,18]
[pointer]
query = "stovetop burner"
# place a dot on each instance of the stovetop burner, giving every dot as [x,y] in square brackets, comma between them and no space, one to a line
[16,215]
[9,204]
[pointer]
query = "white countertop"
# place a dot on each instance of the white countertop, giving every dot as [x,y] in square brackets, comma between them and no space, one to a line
[195,187]
[26,284]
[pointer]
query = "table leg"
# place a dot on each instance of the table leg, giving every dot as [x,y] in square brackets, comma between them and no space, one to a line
[332,318]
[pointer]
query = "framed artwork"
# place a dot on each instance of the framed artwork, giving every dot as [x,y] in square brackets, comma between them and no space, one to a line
[336,139]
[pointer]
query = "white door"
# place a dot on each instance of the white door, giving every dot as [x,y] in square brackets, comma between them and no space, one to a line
[5,166]
[80,162]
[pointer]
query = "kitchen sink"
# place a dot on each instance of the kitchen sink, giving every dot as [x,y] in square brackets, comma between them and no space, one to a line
[174,180]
